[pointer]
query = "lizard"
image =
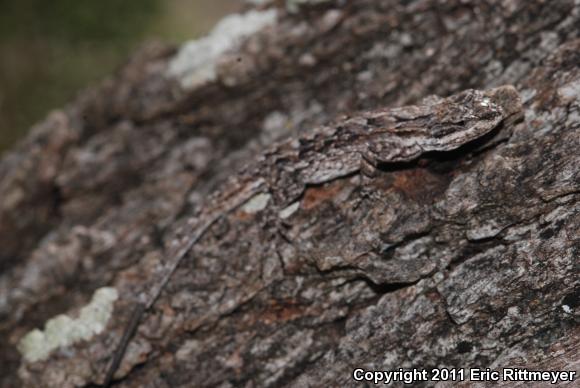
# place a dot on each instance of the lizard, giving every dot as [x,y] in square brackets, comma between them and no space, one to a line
[359,144]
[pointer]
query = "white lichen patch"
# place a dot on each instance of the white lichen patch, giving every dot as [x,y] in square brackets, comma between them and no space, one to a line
[196,62]
[62,330]
[566,309]
[256,203]
[288,211]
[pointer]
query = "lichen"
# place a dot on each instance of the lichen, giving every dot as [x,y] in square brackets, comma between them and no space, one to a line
[566,309]
[288,211]
[257,203]
[62,330]
[195,63]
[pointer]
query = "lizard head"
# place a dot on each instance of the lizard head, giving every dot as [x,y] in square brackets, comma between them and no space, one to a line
[473,107]
[507,98]
[442,124]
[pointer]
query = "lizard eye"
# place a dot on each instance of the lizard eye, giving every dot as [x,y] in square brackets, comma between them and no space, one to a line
[486,113]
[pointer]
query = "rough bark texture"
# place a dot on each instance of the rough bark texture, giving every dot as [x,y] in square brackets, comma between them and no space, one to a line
[467,258]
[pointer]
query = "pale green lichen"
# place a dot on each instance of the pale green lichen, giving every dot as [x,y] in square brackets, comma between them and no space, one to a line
[195,63]
[62,330]
[257,203]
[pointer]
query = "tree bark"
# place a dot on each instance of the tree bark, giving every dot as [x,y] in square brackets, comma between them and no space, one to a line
[462,259]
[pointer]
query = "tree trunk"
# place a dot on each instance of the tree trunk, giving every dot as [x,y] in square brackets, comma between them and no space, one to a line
[465,258]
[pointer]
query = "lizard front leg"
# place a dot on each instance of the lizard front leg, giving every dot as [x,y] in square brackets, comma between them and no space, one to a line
[368,165]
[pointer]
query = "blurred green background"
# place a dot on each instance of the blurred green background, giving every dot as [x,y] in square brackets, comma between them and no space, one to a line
[51,49]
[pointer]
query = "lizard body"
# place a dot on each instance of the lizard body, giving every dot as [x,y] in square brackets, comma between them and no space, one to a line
[330,152]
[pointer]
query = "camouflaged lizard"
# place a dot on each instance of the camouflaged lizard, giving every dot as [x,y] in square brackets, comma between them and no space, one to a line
[356,145]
